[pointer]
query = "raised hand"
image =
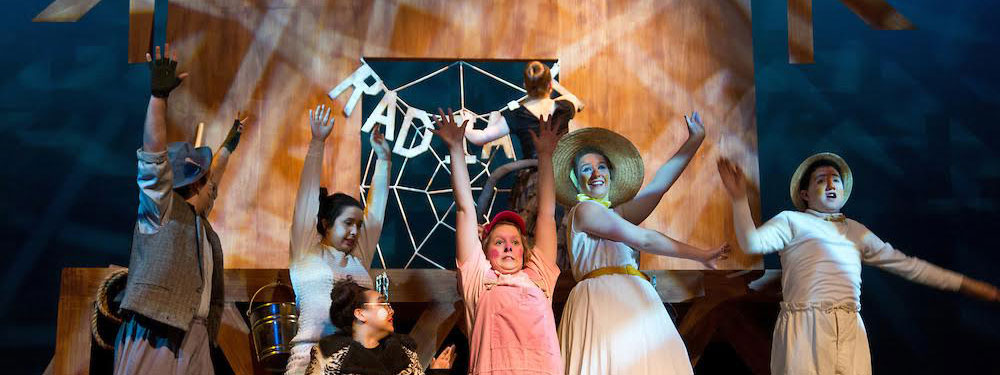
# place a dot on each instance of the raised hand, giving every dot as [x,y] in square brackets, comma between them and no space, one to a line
[546,137]
[235,131]
[379,144]
[449,131]
[444,360]
[732,179]
[163,72]
[713,256]
[320,122]
[695,128]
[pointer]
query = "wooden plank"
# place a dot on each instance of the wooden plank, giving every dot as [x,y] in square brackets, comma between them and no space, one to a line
[140,29]
[433,327]
[77,293]
[65,10]
[234,340]
[879,14]
[800,32]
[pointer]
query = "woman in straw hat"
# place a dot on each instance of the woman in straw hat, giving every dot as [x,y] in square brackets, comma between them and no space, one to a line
[506,284]
[614,308]
[819,330]
[332,238]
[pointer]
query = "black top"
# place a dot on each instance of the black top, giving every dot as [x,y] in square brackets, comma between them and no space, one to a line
[522,122]
[395,354]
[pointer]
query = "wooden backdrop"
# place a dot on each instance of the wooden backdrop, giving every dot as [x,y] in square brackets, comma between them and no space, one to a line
[638,65]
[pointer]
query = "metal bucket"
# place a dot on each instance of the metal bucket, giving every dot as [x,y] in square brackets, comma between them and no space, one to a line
[272,325]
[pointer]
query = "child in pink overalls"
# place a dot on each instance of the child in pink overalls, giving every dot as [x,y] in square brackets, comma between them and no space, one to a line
[506,284]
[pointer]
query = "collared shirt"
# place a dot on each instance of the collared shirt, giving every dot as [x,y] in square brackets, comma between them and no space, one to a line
[821,257]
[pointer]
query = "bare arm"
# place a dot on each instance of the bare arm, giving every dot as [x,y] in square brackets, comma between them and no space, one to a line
[496,128]
[638,208]
[378,197]
[206,196]
[545,224]
[600,222]
[307,197]
[467,243]
[163,79]
[566,95]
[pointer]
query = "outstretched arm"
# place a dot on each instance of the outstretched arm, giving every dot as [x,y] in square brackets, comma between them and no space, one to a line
[496,128]
[466,237]
[206,196]
[307,198]
[566,95]
[774,235]
[378,197]
[545,224]
[638,209]
[598,221]
[154,177]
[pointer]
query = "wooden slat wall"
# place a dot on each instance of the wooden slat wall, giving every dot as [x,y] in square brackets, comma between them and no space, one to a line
[638,65]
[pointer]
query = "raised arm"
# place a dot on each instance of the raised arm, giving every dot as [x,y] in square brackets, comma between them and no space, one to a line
[307,198]
[467,243]
[770,237]
[597,221]
[545,224]
[638,209]
[206,196]
[566,95]
[378,197]
[496,128]
[154,177]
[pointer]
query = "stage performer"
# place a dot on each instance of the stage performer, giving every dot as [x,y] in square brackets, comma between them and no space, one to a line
[521,122]
[366,342]
[614,322]
[174,294]
[819,330]
[506,283]
[332,237]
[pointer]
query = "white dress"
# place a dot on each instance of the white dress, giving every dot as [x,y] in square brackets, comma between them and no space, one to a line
[316,267]
[615,324]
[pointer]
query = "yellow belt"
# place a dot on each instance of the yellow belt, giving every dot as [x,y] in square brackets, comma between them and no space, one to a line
[626,270]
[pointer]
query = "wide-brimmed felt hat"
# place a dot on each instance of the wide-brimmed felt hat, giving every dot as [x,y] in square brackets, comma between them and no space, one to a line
[845,175]
[505,216]
[627,169]
[188,163]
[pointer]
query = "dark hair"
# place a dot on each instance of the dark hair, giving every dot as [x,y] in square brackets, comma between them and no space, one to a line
[536,79]
[589,150]
[804,179]
[188,191]
[331,206]
[345,297]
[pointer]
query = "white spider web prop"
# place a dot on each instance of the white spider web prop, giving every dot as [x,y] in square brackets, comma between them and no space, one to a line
[418,242]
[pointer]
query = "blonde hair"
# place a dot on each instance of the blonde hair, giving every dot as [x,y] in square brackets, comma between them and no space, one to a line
[537,79]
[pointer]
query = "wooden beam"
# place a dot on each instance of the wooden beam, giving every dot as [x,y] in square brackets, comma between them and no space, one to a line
[140,29]
[77,293]
[879,14]
[800,32]
[433,327]
[65,10]
[234,340]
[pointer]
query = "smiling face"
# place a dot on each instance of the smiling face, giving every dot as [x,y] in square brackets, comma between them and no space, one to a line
[593,174]
[504,248]
[825,190]
[342,234]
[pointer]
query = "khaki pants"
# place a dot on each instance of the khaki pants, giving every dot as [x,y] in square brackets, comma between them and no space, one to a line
[820,339]
[145,346]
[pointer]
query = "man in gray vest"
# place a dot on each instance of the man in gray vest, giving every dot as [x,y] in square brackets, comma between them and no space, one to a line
[174,294]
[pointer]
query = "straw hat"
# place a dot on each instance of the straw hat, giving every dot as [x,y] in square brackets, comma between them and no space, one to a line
[845,175]
[627,170]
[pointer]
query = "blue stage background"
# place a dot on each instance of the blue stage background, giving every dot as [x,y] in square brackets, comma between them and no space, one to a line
[913,112]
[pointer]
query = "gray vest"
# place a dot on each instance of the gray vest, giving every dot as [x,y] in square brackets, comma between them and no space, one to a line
[164,278]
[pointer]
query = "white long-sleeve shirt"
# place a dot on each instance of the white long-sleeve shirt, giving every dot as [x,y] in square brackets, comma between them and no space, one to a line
[821,259]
